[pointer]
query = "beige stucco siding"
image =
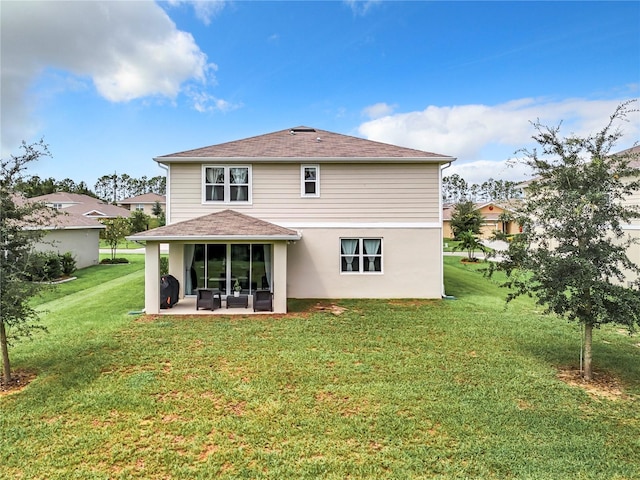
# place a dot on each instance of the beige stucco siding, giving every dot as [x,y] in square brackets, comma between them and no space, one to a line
[348,192]
[411,265]
[82,243]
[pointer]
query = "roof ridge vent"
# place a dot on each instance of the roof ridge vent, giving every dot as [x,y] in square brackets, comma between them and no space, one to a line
[293,131]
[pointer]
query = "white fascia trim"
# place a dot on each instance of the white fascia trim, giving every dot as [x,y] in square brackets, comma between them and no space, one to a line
[294,225]
[631,227]
[234,160]
[50,228]
[217,238]
[79,227]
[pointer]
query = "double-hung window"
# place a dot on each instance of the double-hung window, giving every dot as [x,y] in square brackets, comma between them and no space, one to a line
[310,181]
[360,255]
[227,184]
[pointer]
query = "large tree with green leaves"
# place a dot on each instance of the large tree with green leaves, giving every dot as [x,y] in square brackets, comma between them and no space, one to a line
[465,218]
[572,254]
[19,221]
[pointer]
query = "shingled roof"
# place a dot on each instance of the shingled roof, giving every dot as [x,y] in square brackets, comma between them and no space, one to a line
[223,225]
[304,143]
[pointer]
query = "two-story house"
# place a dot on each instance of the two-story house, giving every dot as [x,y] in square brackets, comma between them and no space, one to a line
[304,213]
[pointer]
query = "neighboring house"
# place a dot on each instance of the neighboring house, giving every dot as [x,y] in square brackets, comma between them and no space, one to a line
[492,213]
[71,232]
[305,213]
[82,205]
[143,203]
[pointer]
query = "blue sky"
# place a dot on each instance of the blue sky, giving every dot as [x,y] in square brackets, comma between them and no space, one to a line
[110,85]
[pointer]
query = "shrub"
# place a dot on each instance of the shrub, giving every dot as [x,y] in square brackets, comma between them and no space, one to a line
[68,263]
[164,265]
[113,261]
[43,267]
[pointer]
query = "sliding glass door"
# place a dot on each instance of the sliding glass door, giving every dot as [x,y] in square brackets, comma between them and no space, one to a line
[220,265]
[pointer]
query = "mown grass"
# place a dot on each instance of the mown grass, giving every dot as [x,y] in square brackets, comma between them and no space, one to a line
[387,389]
[122,245]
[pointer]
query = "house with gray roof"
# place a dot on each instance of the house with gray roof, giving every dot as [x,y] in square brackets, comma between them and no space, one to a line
[143,203]
[302,213]
[82,205]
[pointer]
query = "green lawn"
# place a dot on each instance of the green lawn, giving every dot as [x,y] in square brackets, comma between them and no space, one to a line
[122,245]
[388,389]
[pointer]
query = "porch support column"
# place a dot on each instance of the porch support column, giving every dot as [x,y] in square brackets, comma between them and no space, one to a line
[176,264]
[280,277]
[152,278]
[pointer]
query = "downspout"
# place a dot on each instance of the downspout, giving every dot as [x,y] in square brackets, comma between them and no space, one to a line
[443,294]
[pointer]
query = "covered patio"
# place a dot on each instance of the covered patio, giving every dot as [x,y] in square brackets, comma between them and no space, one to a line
[187,306]
[226,251]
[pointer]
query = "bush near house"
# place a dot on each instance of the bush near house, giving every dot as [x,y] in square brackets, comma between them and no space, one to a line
[48,266]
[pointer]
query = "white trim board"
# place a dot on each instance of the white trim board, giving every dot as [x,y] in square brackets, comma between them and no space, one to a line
[295,225]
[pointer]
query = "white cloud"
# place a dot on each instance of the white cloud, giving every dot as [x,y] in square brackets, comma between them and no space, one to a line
[361,7]
[378,110]
[204,102]
[477,132]
[481,170]
[129,50]
[205,10]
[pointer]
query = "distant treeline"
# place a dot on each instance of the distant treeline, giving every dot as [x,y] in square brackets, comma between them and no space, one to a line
[455,190]
[109,188]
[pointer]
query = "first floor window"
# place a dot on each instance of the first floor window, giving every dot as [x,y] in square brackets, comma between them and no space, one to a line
[226,184]
[360,255]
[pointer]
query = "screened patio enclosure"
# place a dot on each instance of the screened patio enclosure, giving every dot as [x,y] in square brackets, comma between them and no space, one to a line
[221,265]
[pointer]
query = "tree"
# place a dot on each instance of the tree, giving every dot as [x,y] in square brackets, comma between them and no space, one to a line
[117,229]
[465,218]
[107,188]
[112,188]
[17,317]
[158,212]
[35,186]
[138,221]
[454,189]
[470,243]
[571,256]
[497,190]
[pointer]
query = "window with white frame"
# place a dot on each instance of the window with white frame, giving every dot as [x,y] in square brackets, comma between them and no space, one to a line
[310,181]
[360,255]
[140,207]
[227,184]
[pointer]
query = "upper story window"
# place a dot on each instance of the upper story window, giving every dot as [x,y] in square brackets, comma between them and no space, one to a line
[227,184]
[360,255]
[57,206]
[140,207]
[310,181]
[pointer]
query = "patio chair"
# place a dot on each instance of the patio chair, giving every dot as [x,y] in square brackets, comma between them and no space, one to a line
[208,298]
[263,300]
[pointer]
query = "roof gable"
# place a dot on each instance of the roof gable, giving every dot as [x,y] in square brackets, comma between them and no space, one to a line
[303,143]
[144,198]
